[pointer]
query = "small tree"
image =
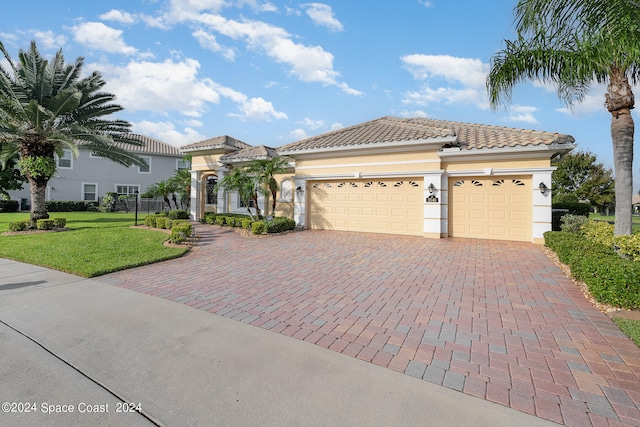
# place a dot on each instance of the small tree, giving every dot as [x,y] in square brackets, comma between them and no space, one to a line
[181,182]
[246,184]
[162,189]
[265,171]
[10,178]
[578,174]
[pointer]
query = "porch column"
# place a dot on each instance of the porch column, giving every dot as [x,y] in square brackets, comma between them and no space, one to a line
[196,197]
[222,195]
[299,202]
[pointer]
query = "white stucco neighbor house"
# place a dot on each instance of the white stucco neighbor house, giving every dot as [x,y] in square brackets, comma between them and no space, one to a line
[423,177]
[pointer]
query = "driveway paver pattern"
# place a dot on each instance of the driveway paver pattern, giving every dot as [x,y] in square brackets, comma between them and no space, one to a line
[493,319]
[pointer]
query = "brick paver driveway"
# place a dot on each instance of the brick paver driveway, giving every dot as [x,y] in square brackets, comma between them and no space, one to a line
[492,319]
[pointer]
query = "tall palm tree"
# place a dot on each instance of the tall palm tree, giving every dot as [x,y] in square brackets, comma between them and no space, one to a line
[46,107]
[573,44]
[265,171]
[162,189]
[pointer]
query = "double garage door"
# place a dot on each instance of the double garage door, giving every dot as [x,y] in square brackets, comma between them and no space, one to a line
[377,206]
[479,207]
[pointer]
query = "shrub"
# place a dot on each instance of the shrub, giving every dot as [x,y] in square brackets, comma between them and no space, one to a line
[280,224]
[180,232]
[60,222]
[9,205]
[573,207]
[628,245]
[68,205]
[150,220]
[19,225]
[178,214]
[610,278]
[258,227]
[599,232]
[210,218]
[46,224]
[220,220]
[161,222]
[573,223]
[246,223]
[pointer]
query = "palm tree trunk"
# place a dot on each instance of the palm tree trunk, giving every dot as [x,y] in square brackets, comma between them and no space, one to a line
[619,102]
[38,191]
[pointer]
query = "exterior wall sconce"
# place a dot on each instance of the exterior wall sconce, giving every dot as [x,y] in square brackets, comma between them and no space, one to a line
[543,188]
[431,188]
[299,191]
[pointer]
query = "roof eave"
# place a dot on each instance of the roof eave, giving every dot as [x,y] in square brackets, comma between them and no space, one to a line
[386,146]
[551,150]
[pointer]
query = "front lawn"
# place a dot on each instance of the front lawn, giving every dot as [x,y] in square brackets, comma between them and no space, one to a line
[98,243]
[630,327]
[635,221]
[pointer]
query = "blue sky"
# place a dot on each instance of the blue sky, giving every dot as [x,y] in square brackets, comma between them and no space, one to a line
[274,72]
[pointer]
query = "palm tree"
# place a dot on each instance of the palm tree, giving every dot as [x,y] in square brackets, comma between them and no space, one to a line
[46,107]
[265,171]
[162,189]
[246,184]
[182,183]
[574,43]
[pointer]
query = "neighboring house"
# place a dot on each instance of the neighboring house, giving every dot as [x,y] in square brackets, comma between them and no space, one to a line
[422,177]
[635,202]
[90,177]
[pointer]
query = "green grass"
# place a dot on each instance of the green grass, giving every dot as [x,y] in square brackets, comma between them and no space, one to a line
[98,243]
[635,221]
[630,327]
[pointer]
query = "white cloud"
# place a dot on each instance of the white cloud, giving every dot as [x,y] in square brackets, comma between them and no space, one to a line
[118,16]
[298,134]
[257,6]
[49,40]
[464,78]
[336,126]
[167,132]
[522,113]
[312,124]
[194,123]
[97,35]
[426,4]
[322,15]
[414,113]
[208,41]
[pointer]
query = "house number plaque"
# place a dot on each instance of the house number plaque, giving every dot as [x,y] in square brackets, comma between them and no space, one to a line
[432,199]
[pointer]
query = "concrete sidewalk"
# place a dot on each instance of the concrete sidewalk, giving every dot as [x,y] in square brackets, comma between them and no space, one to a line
[65,340]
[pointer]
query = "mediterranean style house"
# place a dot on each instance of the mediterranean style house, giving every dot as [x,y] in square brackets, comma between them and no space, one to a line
[417,176]
[89,177]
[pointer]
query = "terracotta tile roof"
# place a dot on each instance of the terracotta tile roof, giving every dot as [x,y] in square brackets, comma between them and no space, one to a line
[151,146]
[635,199]
[217,142]
[252,153]
[392,129]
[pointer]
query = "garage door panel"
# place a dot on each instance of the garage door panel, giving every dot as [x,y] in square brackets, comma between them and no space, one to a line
[491,208]
[383,206]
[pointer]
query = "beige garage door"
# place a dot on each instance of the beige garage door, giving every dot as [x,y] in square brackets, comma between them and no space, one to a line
[490,208]
[378,206]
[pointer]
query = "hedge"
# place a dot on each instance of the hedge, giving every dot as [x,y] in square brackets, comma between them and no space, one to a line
[180,232]
[69,205]
[9,205]
[610,278]
[574,208]
[178,214]
[19,225]
[280,224]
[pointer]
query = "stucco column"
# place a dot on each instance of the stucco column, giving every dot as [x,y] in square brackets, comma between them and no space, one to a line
[196,197]
[299,202]
[435,205]
[541,214]
[222,195]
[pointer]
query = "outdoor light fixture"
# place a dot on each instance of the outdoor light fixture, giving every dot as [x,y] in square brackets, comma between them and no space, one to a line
[431,187]
[136,194]
[543,188]
[299,191]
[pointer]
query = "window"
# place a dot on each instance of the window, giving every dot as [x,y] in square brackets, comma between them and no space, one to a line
[145,169]
[66,160]
[90,192]
[183,164]
[212,194]
[128,190]
[286,190]
[242,205]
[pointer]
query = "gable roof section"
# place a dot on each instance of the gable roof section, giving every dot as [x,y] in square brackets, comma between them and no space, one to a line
[261,152]
[151,146]
[386,130]
[217,142]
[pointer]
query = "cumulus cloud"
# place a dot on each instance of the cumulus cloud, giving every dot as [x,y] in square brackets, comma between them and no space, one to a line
[167,132]
[464,79]
[208,41]
[322,15]
[414,113]
[312,124]
[97,35]
[49,40]
[522,113]
[258,6]
[425,3]
[298,134]
[118,16]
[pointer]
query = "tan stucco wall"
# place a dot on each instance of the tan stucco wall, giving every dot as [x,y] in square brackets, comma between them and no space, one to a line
[205,162]
[497,164]
[392,162]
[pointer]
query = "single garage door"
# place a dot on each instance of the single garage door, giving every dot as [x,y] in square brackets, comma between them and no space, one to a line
[491,208]
[377,206]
